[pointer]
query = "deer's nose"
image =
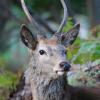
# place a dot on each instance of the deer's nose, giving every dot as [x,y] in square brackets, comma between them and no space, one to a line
[65,66]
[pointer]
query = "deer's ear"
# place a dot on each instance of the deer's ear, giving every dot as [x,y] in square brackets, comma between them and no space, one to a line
[28,38]
[69,37]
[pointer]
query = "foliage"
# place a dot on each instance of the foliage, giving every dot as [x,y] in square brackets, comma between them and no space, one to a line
[16,11]
[86,74]
[88,51]
[8,80]
[79,6]
[39,5]
[69,25]
[82,51]
[82,79]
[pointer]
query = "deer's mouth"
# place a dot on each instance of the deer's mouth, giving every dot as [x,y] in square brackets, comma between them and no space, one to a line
[60,72]
[62,68]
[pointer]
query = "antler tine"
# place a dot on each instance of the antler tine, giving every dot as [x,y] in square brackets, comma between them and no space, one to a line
[64,18]
[31,19]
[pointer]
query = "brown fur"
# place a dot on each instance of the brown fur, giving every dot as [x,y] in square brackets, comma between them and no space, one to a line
[49,42]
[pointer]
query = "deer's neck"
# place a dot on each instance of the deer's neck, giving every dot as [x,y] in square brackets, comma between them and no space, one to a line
[46,87]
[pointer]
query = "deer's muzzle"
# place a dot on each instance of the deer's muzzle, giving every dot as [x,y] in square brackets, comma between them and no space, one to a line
[62,68]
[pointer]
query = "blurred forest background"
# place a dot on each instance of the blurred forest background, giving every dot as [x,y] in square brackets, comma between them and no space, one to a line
[84,55]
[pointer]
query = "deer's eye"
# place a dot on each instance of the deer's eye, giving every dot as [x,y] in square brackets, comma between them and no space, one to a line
[64,52]
[42,52]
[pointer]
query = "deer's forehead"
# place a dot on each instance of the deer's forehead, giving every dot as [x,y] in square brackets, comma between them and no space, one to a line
[50,45]
[48,42]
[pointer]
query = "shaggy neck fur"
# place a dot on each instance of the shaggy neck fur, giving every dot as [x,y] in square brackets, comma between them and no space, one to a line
[46,86]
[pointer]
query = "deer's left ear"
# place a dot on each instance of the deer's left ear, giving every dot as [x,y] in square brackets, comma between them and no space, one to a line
[69,37]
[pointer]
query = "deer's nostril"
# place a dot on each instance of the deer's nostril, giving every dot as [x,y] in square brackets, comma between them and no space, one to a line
[65,65]
[62,65]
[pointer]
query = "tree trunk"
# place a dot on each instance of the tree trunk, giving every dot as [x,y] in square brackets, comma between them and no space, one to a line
[4,16]
[94,12]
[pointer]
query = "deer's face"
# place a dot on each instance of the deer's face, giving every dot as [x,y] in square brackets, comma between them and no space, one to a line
[52,56]
[49,54]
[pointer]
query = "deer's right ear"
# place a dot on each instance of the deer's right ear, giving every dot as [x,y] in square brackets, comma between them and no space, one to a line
[69,37]
[28,38]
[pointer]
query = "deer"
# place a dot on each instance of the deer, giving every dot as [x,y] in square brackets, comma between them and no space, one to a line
[46,75]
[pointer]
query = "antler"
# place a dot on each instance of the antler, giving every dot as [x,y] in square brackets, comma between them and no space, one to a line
[64,18]
[31,19]
[37,26]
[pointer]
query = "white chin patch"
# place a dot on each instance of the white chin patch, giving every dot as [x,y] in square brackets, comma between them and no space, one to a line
[60,73]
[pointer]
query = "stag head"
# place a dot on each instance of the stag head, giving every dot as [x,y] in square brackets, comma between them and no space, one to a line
[49,53]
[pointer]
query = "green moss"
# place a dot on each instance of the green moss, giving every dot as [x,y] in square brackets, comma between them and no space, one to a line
[8,80]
